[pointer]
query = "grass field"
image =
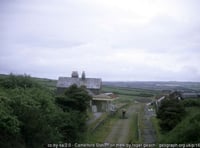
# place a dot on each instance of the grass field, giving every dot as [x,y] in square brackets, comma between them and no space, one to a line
[129,95]
[129,91]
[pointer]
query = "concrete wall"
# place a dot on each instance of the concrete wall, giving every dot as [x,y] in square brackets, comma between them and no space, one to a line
[102,106]
[95,91]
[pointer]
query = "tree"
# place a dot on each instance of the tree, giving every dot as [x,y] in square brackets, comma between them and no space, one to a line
[170,113]
[27,114]
[9,125]
[185,132]
[31,117]
[74,98]
[18,81]
[74,103]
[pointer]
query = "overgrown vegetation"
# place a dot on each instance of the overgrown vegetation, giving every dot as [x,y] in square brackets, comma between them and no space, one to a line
[30,116]
[170,114]
[99,134]
[134,135]
[187,127]
[74,102]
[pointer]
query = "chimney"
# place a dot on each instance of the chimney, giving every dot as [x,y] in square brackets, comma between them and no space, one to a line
[74,74]
[83,75]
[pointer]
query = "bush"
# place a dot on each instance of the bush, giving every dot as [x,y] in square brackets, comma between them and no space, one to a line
[191,103]
[27,114]
[30,116]
[14,81]
[74,103]
[186,132]
[170,114]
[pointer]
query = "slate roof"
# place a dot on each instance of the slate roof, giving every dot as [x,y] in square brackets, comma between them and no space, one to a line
[90,83]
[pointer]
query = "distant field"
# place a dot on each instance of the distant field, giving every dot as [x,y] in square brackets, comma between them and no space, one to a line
[129,91]
[126,95]
[157,85]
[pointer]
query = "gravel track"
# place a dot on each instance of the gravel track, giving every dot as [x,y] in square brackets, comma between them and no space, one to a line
[148,134]
[120,131]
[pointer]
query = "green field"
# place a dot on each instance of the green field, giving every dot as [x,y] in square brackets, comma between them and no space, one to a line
[129,91]
[128,95]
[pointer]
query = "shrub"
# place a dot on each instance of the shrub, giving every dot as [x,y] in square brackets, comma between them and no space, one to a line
[170,114]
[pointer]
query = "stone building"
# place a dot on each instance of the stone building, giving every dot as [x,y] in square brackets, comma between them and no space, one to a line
[93,85]
[99,102]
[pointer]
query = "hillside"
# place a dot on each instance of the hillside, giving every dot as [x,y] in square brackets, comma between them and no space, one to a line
[50,83]
[187,130]
[32,116]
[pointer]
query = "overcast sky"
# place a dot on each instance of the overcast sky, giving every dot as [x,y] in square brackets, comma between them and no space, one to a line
[126,40]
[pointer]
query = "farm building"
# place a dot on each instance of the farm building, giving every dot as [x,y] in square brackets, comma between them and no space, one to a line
[93,85]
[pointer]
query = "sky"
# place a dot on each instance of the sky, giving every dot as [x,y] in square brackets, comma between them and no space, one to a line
[116,40]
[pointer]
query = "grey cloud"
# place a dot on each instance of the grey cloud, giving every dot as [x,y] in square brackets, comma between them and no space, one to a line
[162,34]
[45,42]
[51,38]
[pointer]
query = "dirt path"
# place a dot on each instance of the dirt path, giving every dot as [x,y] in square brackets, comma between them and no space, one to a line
[121,129]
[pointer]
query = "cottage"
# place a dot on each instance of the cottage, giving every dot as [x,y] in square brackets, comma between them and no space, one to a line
[93,85]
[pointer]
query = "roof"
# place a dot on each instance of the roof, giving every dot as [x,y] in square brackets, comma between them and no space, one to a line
[106,95]
[102,99]
[90,83]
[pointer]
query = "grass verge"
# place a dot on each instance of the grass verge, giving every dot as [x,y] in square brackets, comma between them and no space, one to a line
[140,123]
[156,126]
[99,134]
[133,133]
